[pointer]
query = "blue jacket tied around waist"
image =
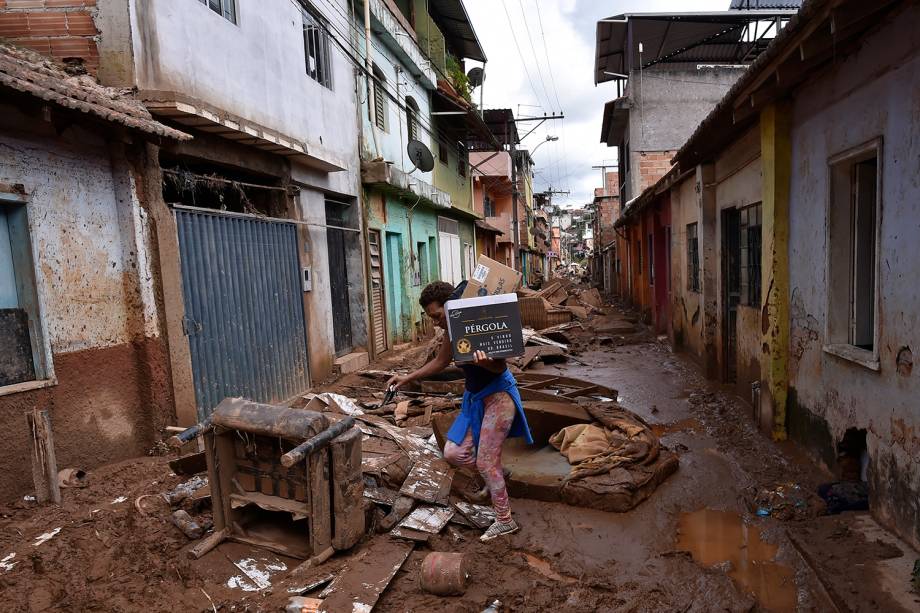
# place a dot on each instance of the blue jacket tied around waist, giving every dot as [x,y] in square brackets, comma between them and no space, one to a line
[473,409]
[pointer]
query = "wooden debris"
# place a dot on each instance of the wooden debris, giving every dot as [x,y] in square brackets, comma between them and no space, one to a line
[365,578]
[478,515]
[429,481]
[401,508]
[191,464]
[381,495]
[578,311]
[442,387]
[44,464]
[208,543]
[410,535]
[430,519]
[591,297]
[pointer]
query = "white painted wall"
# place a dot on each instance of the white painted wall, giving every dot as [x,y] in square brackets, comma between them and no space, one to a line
[254,69]
[88,265]
[875,92]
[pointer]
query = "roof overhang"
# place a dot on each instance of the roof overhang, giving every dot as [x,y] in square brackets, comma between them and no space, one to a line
[616,119]
[486,227]
[679,38]
[459,119]
[455,23]
[821,34]
[386,177]
[200,116]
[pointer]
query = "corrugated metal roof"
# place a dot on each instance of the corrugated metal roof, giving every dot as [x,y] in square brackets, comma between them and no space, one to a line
[32,73]
[743,5]
[679,38]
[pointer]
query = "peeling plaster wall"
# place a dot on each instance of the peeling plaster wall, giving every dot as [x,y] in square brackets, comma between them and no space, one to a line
[739,184]
[96,287]
[686,307]
[875,92]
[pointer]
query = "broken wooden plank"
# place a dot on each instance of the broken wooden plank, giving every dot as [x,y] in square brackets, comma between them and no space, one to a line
[410,535]
[478,515]
[380,495]
[429,481]
[428,518]
[191,464]
[359,586]
[44,463]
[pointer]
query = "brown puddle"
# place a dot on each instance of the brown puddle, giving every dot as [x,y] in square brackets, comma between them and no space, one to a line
[684,425]
[543,567]
[716,537]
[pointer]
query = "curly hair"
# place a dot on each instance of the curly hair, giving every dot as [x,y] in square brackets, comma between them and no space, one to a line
[437,291]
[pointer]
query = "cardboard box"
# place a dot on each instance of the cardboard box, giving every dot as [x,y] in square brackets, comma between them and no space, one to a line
[490,278]
[488,323]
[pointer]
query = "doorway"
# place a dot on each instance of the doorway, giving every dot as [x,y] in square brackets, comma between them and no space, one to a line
[731,291]
[338,241]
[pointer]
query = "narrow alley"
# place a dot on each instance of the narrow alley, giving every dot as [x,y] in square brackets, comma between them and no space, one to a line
[459,305]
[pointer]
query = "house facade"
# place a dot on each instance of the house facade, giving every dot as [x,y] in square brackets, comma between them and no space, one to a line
[787,211]
[82,325]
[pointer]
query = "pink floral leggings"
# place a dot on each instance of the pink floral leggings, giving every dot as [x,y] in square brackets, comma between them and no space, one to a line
[496,422]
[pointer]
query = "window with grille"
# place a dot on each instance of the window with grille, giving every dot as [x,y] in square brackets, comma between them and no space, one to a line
[380,100]
[412,113]
[316,46]
[462,159]
[750,255]
[488,206]
[225,8]
[693,258]
[443,154]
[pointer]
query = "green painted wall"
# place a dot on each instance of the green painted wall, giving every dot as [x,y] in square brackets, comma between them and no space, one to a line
[406,252]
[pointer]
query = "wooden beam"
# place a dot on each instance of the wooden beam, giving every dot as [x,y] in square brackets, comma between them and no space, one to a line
[44,463]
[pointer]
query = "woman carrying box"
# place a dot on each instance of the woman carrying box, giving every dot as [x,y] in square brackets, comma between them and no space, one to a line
[491,410]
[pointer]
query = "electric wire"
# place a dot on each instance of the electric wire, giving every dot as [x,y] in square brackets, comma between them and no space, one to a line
[534,50]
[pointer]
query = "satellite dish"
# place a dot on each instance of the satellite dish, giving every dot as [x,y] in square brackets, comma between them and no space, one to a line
[476,76]
[420,155]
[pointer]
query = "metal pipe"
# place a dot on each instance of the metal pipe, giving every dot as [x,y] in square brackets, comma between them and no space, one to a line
[190,433]
[317,442]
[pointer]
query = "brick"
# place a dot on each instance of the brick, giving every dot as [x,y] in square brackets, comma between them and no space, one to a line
[74,47]
[47,24]
[41,45]
[25,4]
[13,25]
[70,3]
[81,24]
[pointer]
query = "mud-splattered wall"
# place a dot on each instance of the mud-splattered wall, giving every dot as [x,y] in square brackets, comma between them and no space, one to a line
[686,305]
[96,290]
[872,94]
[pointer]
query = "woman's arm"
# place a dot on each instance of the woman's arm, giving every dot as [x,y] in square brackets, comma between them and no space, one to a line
[439,363]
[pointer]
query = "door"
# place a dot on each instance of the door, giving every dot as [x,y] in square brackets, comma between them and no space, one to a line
[378,310]
[731,291]
[449,250]
[394,267]
[337,242]
[469,259]
[244,317]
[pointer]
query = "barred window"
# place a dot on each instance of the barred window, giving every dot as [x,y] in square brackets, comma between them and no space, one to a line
[693,258]
[316,46]
[462,159]
[750,255]
[412,113]
[380,99]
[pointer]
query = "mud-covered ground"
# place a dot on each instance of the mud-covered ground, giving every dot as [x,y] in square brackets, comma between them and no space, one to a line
[695,545]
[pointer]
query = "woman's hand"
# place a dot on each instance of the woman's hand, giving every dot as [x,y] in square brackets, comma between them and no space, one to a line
[397,381]
[481,359]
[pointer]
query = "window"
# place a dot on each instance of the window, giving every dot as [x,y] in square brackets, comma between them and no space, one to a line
[488,206]
[227,8]
[693,258]
[316,46]
[651,260]
[380,99]
[853,227]
[421,263]
[412,114]
[462,159]
[443,154]
[750,255]
[24,353]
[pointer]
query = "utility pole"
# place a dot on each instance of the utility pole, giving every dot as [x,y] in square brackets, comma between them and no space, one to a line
[515,221]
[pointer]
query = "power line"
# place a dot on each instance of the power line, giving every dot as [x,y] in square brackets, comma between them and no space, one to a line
[534,50]
[549,64]
[520,54]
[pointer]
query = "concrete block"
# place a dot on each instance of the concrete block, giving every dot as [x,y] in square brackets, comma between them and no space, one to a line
[352,362]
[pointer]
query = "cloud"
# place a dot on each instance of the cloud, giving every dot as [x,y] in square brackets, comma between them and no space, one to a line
[568,31]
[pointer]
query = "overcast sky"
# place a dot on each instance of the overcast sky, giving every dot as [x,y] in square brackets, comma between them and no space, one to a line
[567,27]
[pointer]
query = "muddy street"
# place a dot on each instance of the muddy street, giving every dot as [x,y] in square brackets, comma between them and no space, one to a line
[697,543]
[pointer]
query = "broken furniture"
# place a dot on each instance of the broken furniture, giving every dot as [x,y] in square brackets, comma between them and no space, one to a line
[284,479]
